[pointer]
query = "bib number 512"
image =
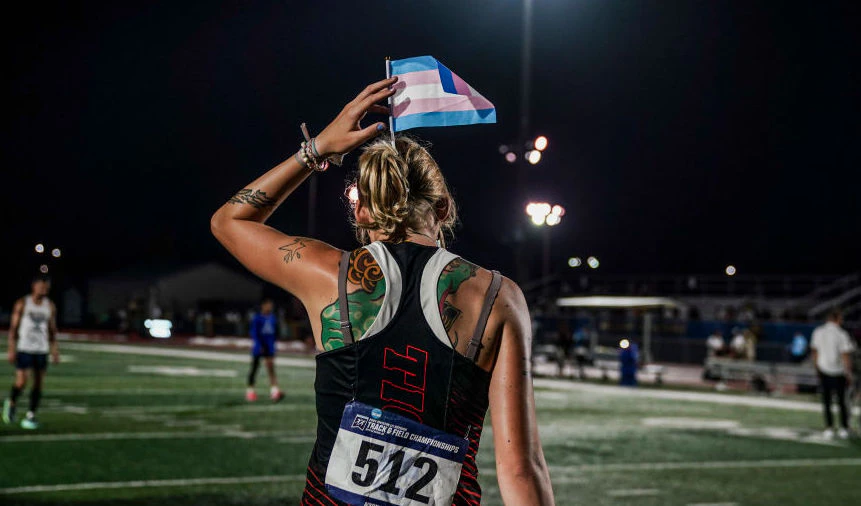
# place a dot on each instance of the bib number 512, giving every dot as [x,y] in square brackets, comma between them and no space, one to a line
[370,465]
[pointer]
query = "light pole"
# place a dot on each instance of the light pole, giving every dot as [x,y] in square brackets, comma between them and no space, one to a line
[545,215]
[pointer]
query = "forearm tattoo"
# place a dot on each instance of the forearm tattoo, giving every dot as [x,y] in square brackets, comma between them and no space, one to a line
[364,304]
[256,198]
[293,251]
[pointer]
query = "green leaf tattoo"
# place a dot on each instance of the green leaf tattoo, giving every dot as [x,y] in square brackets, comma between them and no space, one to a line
[454,274]
[364,304]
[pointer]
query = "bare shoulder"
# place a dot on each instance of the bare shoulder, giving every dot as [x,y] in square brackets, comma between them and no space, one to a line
[19,304]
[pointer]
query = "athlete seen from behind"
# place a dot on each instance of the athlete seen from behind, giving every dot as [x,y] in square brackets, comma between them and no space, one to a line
[32,336]
[417,342]
[264,332]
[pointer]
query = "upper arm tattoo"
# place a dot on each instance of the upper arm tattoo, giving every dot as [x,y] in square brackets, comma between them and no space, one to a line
[454,274]
[363,304]
[256,198]
[293,250]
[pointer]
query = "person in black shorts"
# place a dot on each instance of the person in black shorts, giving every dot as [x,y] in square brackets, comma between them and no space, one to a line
[32,336]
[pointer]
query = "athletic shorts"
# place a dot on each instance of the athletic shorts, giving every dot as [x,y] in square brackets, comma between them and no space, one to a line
[37,361]
[264,348]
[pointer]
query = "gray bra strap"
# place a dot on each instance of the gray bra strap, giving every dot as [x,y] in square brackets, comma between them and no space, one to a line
[343,307]
[489,299]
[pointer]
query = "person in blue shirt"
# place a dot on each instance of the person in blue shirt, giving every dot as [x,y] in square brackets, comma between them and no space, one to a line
[264,331]
[798,348]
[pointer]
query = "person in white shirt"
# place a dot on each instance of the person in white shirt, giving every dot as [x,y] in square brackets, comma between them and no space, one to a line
[738,345]
[715,344]
[32,336]
[832,354]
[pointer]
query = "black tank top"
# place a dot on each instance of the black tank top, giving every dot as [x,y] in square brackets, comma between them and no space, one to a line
[405,368]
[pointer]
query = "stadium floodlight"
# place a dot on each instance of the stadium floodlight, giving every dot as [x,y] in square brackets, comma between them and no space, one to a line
[40,248]
[574,262]
[43,269]
[593,262]
[533,156]
[730,270]
[540,143]
[624,344]
[542,213]
[56,252]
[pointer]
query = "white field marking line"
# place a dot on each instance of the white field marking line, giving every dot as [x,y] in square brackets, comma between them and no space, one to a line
[633,492]
[181,353]
[110,436]
[731,400]
[713,504]
[152,483]
[212,409]
[145,391]
[188,371]
[740,464]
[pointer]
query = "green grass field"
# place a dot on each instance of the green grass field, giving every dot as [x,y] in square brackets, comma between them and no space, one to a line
[129,427]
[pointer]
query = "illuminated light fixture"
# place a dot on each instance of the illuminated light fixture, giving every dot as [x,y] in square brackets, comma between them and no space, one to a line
[593,262]
[543,213]
[533,156]
[575,262]
[159,328]
[511,157]
[624,344]
[40,248]
[353,194]
[503,149]
[43,269]
[540,143]
[56,252]
[730,270]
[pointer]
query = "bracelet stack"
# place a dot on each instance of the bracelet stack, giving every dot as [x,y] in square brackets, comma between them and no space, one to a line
[310,158]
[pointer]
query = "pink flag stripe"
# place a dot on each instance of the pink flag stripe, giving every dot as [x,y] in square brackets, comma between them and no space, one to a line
[443,104]
[461,86]
[416,78]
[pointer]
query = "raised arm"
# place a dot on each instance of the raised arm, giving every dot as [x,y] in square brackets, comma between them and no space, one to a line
[17,311]
[296,264]
[520,466]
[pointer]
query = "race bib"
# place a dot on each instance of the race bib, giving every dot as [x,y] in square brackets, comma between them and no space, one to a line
[387,459]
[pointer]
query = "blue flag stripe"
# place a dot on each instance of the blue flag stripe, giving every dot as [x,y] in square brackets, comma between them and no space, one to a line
[441,119]
[414,64]
[446,80]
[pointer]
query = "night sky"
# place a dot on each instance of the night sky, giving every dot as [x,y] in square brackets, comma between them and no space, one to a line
[684,135]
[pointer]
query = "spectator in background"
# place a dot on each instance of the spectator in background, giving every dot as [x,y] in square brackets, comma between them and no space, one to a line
[264,333]
[798,348]
[832,353]
[715,345]
[738,344]
[749,345]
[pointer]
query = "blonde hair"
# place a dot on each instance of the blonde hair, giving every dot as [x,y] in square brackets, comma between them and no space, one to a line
[403,191]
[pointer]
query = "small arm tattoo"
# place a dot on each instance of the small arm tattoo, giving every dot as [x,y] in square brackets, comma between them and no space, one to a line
[293,251]
[256,198]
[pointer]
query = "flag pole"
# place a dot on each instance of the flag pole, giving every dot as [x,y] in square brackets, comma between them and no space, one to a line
[391,107]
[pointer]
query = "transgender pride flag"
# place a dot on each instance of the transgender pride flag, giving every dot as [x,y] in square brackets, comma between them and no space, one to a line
[428,95]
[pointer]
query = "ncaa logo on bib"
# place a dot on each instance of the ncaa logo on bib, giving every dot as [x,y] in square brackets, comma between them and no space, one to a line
[376,413]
